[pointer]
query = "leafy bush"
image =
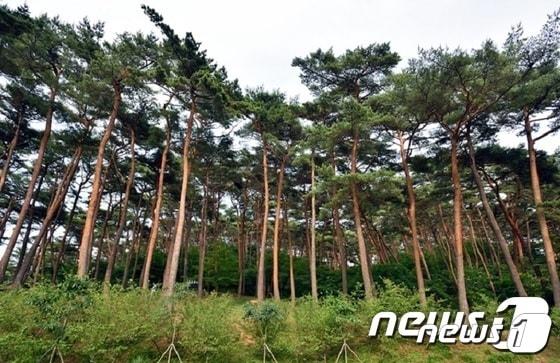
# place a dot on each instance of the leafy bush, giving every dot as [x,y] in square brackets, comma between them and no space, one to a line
[266,317]
[209,329]
[120,325]
[321,328]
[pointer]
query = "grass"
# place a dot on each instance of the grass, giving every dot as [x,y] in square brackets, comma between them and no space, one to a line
[137,326]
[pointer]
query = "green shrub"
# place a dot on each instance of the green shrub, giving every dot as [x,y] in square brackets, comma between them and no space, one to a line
[266,317]
[120,325]
[321,328]
[209,329]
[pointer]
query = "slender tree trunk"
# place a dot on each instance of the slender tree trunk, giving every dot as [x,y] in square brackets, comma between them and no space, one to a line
[25,241]
[341,244]
[338,234]
[458,226]
[425,265]
[186,242]
[202,239]
[10,153]
[103,235]
[369,288]
[412,220]
[169,280]
[38,264]
[495,259]
[139,243]
[276,235]
[541,218]
[133,243]
[480,255]
[494,223]
[60,253]
[37,165]
[290,256]
[242,243]
[6,217]
[152,240]
[264,226]
[95,196]
[137,238]
[312,252]
[52,212]
[122,217]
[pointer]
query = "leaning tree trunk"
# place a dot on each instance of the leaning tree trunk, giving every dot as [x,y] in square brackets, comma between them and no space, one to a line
[458,226]
[276,235]
[169,279]
[122,217]
[264,226]
[152,239]
[25,240]
[6,217]
[60,254]
[412,220]
[95,196]
[10,153]
[493,222]
[52,211]
[369,288]
[541,218]
[4,262]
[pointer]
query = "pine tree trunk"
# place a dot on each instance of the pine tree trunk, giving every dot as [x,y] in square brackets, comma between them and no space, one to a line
[152,239]
[186,242]
[122,217]
[312,251]
[169,280]
[241,244]
[103,235]
[458,226]
[202,237]
[369,288]
[341,244]
[276,235]
[339,235]
[494,223]
[10,153]
[95,196]
[52,212]
[412,220]
[37,166]
[60,254]
[6,217]
[264,226]
[133,243]
[541,218]
[290,256]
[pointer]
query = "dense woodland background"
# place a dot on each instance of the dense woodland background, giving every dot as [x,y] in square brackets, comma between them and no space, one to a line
[138,162]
